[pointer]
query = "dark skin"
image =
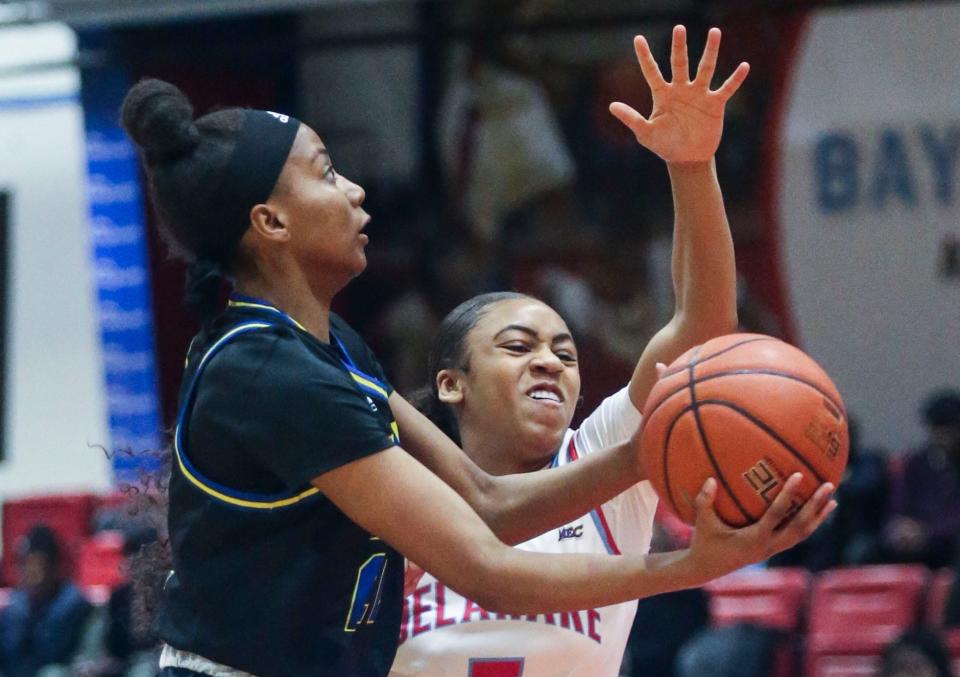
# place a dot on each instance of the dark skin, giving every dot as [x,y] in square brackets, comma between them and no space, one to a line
[904,534]
[40,577]
[303,245]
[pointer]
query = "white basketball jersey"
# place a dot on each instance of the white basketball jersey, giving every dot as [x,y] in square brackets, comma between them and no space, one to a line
[446,635]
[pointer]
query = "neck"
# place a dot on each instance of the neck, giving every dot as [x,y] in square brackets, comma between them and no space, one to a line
[299,302]
[503,454]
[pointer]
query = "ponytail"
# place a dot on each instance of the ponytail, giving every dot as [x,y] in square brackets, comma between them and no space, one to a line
[204,283]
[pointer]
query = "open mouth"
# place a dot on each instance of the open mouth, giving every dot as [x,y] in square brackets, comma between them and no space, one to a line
[546,393]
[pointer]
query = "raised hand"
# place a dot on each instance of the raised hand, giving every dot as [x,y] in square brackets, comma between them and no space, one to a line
[719,549]
[686,122]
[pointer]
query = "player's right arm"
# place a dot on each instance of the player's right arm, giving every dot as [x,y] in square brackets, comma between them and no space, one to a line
[392,495]
[523,505]
[684,129]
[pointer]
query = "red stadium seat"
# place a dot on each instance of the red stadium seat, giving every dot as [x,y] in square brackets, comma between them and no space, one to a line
[855,613]
[773,598]
[951,638]
[937,595]
[101,561]
[769,597]
[68,515]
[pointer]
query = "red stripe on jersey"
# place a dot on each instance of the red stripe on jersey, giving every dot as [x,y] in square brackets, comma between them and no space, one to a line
[573,455]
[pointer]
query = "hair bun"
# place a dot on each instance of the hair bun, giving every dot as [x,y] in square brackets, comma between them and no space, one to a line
[159,119]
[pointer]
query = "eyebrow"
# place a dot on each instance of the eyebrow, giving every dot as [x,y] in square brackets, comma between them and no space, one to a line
[532,334]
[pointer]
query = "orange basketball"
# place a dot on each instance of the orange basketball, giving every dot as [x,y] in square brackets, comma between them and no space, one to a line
[749,410]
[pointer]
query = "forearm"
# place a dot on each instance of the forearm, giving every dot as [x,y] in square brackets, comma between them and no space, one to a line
[391,495]
[704,270]
[519,507]
[530,583]
[704,274]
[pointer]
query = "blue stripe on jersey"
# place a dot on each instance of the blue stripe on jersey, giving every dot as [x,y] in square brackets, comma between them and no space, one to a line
[603,532]
[241,499]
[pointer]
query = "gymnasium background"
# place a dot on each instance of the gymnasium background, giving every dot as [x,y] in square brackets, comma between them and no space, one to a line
[480,132]
[839,165]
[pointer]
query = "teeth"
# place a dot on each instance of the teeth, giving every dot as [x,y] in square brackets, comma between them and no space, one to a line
[544,395]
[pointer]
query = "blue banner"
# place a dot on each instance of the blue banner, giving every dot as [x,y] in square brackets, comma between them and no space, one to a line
[122,274]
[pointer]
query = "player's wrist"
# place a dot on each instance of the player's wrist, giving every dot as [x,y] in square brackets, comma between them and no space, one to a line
[678,570]
[691,168]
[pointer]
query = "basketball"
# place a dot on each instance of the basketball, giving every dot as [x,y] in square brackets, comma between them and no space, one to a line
[748,410]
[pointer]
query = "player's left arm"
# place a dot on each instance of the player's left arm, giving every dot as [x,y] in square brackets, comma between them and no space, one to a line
[684,129]
[518,507]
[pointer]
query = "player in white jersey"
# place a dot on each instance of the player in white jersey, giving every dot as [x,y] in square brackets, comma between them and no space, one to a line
[505,384]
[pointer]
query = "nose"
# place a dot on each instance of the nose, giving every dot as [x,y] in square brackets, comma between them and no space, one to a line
[354,191]
[545,360]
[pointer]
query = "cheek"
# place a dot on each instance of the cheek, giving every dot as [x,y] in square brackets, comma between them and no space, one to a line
[494,383]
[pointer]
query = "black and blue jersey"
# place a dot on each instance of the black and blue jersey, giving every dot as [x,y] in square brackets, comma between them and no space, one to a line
[269,576]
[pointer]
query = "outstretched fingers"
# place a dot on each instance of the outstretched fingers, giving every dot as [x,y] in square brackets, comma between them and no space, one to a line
[708,62]
[648,65]
[679,62]
[638,124]
[732,84]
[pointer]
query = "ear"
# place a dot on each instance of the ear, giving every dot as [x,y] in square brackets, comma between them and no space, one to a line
[450,386]
[267,221]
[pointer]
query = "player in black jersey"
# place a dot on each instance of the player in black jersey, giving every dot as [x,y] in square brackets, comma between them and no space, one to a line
[289,489]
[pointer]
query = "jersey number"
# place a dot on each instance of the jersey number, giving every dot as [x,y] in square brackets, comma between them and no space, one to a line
[366,593]
[495,667]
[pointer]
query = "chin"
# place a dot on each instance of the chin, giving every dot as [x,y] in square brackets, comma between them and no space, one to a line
[361,265]
[546,438]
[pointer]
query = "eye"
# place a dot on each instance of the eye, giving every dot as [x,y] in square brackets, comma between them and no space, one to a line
[516,347]
[330,174]
[566,356]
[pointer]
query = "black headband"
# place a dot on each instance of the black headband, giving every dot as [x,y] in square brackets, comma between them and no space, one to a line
[248,179]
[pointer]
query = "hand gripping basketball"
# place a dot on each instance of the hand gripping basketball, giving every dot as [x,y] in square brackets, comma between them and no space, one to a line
[717,549]
[748,411]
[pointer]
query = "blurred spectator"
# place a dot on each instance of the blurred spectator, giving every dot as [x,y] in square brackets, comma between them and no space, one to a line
[500,142]
[134,648]
[853,533]
[44,623]
[916,653]
[739,650]
[121,645]
[924,519]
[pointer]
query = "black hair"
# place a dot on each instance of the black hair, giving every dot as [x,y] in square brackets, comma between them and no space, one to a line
[449,351]
[41,539]
[922,641]
[942,408]
[183,159]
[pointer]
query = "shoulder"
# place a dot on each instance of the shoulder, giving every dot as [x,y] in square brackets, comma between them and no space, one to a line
[613,422]
[270,358]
